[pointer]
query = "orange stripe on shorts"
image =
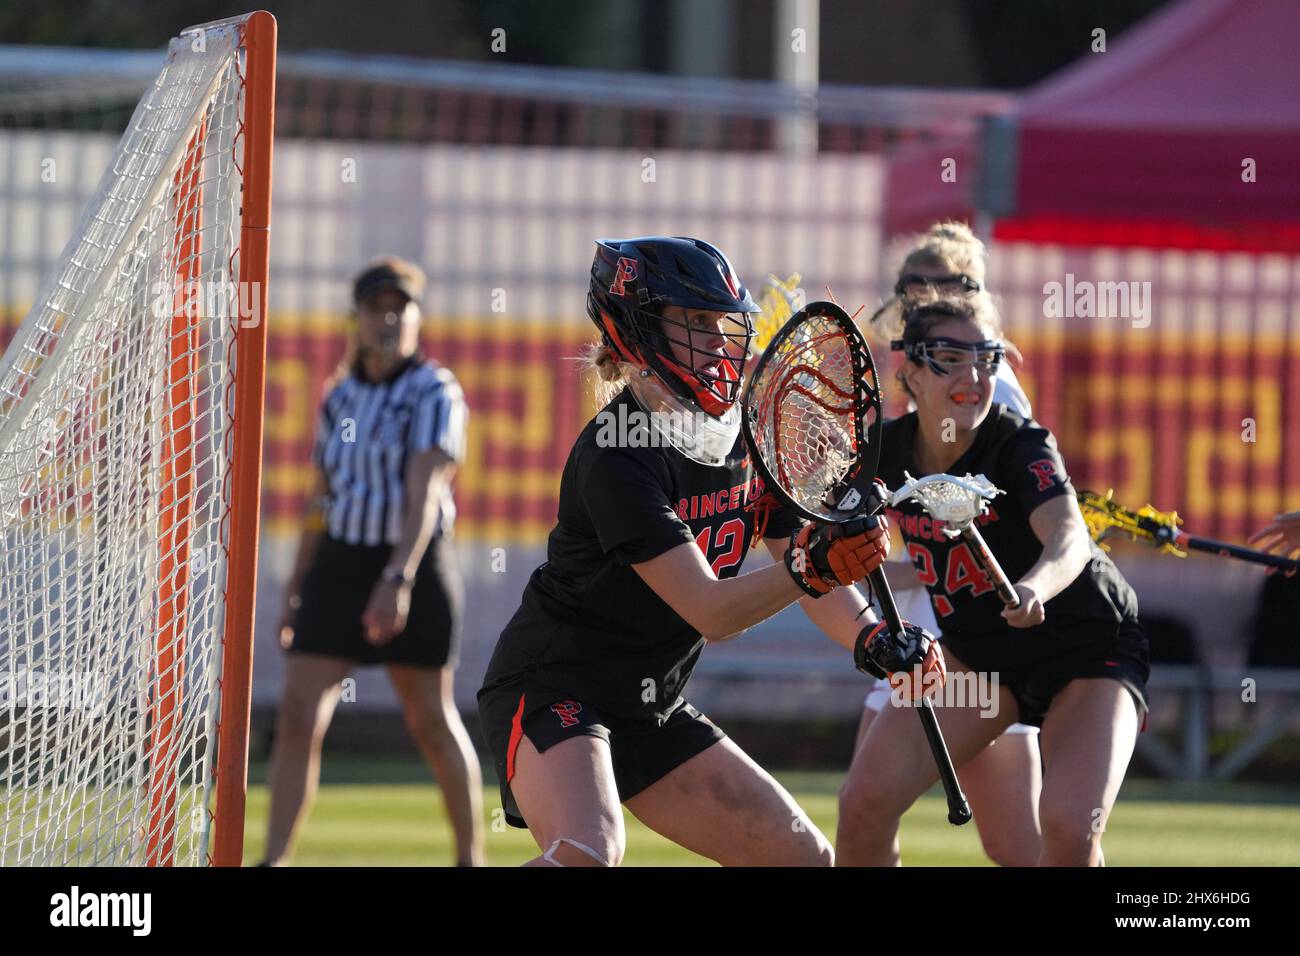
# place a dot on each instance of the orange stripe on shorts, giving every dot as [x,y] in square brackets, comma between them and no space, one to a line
[516,734]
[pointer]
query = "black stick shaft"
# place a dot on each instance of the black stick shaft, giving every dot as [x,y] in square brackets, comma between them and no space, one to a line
[958,807]
[984,556]
[1210,546]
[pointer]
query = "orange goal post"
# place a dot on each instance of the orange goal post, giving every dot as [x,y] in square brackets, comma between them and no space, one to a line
[130,471]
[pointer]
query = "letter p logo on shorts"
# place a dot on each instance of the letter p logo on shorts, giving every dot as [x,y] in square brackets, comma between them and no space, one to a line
[567,711]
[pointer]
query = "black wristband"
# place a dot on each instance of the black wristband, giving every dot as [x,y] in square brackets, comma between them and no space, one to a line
[798,576]
[861,659]
[799,579]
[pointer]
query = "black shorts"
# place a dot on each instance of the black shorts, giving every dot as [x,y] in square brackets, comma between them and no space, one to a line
[337,588]
[643,751]
[1036,673]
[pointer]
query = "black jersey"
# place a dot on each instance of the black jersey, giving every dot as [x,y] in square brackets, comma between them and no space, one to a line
[1020,457]
[589,626]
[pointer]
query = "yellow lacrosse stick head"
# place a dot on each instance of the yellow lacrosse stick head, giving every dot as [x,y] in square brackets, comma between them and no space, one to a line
[1170,520]
[779,300]
[1102,514]
[1099,515]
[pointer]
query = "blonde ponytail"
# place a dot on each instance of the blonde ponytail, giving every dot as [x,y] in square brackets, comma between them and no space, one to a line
[950,245]
[609,378]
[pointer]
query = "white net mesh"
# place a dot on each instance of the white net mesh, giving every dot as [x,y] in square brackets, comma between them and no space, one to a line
[115,411]
[802,407]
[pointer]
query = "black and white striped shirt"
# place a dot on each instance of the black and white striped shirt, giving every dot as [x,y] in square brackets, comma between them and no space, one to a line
[364,436]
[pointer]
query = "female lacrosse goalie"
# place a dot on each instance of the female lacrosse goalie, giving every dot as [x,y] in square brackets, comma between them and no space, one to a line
[1071,659]
[582,702]
[1003,782]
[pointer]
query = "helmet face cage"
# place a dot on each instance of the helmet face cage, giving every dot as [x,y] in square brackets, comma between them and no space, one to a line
[724,381]
[641,295]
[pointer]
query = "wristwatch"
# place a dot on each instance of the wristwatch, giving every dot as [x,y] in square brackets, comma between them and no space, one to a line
[396,575]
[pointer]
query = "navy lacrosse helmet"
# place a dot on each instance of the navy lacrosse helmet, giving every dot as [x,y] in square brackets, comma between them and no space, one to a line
[634,285]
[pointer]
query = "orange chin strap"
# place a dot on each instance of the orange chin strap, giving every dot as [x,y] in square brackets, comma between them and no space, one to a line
[704,396]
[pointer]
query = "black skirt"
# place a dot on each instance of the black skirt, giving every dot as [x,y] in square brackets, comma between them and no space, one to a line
[337,588]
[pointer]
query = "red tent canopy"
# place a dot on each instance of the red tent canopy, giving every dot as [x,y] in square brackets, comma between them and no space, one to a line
[1145,144]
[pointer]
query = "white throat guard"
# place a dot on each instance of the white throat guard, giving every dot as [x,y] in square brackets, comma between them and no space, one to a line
[683,424]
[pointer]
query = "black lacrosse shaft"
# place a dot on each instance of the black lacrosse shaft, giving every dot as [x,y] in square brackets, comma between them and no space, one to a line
[1210,546]
[958,807]
[990,564]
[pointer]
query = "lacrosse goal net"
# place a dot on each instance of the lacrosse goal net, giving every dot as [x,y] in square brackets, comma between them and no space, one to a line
[130,437]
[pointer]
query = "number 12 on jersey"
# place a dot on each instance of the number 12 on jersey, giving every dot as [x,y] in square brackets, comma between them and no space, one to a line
[729,542]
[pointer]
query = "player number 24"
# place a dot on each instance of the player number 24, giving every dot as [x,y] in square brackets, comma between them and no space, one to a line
[963,571]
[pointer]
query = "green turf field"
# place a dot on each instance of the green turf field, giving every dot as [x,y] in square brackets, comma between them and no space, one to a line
[382,815]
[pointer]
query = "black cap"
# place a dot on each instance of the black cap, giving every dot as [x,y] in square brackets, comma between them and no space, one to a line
[389,273]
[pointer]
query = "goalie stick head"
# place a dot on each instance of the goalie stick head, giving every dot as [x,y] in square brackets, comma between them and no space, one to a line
[813,419]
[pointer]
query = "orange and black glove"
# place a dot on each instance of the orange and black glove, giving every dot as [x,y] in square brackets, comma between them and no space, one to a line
[900,658]
[820,558]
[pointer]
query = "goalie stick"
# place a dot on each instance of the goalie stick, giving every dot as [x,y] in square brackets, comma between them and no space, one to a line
[812,420]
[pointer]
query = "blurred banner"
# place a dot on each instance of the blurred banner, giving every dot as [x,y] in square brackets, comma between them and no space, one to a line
[1171,376]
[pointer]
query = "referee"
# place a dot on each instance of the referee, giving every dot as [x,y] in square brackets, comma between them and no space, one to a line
[376,580]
